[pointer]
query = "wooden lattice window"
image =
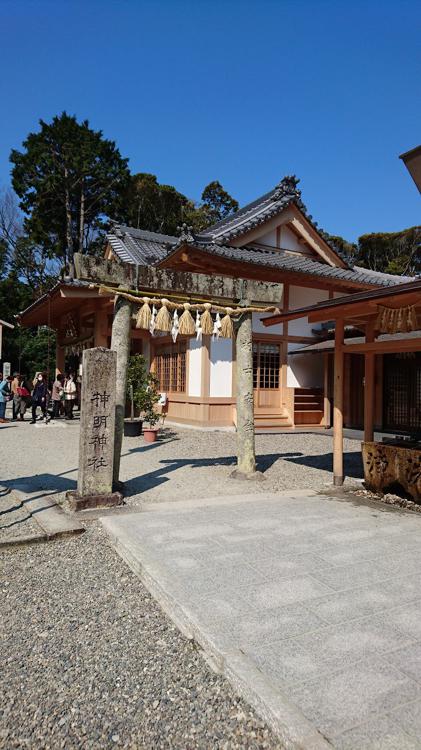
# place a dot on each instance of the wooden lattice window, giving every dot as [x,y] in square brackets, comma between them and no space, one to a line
[170,367]
[266,363]
[402,392]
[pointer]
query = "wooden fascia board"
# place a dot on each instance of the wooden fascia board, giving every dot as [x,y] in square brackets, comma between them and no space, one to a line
[196,260]
[79,293]
[301,226]
[316,242]
[361,309]
[384,347]
[350,309]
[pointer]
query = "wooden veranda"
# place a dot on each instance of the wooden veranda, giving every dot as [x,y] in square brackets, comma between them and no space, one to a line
[391,321]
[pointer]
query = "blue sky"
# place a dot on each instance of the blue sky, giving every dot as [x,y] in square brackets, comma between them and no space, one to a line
[243,92]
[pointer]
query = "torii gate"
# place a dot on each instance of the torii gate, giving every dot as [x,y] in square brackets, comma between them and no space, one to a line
[220,289]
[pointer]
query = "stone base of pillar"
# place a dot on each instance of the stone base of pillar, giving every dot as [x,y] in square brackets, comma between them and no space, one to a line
[76,502]
[255,476]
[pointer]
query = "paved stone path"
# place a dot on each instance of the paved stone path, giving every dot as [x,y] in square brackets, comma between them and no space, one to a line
[310,604]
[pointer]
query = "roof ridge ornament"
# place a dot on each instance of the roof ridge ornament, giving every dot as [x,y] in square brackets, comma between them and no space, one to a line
[186,233]
[287,187]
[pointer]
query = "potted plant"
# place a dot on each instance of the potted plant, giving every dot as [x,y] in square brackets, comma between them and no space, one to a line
[142,390]
[151,417]
[137,380]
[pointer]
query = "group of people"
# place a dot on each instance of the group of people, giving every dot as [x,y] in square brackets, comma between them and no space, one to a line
[53,402]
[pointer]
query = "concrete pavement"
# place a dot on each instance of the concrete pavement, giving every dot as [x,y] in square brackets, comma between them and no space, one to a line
[311,605]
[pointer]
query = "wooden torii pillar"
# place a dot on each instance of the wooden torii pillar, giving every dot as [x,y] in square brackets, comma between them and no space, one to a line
[223,289]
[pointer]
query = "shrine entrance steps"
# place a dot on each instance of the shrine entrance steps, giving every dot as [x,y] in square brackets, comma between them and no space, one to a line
[308,406]
[271,420]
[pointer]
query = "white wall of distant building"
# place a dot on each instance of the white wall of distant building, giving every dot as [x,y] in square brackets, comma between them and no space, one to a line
[220,368]
[195,368]
[300,296]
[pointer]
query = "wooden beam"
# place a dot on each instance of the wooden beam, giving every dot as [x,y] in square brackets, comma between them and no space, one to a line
[338,406]
[385,347]
[149,278]
[239,268]
[369,362]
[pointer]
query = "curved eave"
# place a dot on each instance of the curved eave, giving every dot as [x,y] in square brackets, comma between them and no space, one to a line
[59,300]
[359,305]
[187,257]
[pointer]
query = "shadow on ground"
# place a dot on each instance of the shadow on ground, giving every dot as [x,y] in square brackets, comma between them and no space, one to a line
[353,465]
[159,476]
[323,462]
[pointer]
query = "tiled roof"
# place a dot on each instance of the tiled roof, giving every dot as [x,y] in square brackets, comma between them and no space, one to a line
[286,261]
[264,208]
[138,246]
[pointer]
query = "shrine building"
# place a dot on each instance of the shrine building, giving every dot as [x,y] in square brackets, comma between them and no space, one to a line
[271,239]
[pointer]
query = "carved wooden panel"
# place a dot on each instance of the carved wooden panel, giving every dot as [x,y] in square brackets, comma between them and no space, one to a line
[384,465]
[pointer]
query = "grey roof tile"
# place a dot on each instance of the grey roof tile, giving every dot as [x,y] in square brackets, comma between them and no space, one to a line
[264,208]
[140,247]
[283,260]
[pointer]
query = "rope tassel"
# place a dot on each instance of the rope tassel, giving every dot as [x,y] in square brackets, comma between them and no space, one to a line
[187,325]
[206,321]
[227,328]
[163,319]
[144,315]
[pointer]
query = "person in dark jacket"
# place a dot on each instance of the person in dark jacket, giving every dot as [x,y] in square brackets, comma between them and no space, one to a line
[40,397]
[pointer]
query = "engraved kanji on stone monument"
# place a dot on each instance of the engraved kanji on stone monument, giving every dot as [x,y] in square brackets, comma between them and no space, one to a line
[96,442]
[97,423]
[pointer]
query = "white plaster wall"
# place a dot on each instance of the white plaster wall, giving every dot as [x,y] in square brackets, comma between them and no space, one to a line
[300,296]
[289,241]
[258,326]
[304,371]
[220,368]
[268,239]
[195,368]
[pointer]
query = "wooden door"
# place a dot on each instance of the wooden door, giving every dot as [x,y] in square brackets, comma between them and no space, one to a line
[267,377]
[354,374]
[402,392]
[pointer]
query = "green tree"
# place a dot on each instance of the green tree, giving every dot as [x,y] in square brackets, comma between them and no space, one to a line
[155,207]
[69,179]
[349,248]
[217,202]
[391,252]
[161,208]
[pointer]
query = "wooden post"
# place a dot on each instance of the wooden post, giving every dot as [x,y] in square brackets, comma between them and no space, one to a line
[326,400]
[120,343]
[246,459]
[60,359]
[338,405]
[100,329]
[369,363]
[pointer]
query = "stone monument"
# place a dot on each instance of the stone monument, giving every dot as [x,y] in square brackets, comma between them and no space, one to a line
[97,424]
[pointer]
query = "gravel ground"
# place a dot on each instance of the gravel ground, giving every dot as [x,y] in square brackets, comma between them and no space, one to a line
[90,661]
[15,522]
[182,464]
